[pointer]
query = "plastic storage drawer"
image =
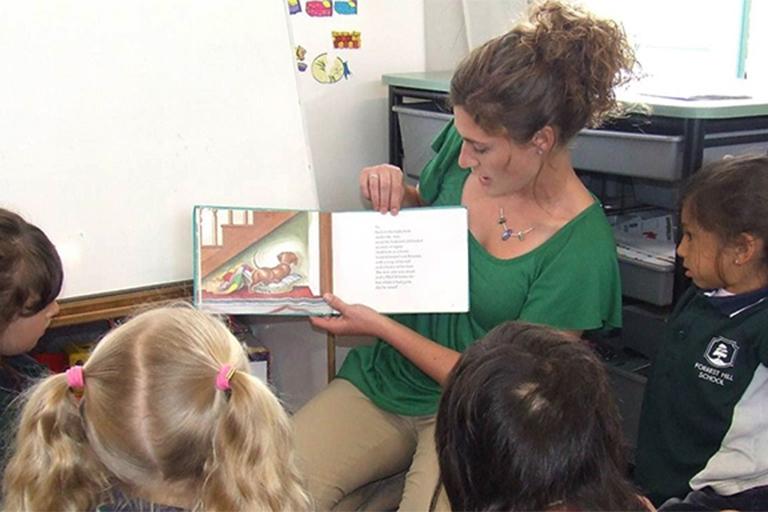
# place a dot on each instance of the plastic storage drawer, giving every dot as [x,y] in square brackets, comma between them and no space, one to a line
[647,269]
[651,156]
[418,128]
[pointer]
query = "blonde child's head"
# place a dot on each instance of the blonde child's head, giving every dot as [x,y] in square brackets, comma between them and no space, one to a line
[30,280]
[724,222]
[168,412]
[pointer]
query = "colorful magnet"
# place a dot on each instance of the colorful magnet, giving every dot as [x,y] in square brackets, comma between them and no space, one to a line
[346,40]
[301,54]
[329,70]
[294,6]
[319,8]
[345,6]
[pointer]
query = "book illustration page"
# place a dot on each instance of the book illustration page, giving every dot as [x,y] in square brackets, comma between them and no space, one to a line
[259,262]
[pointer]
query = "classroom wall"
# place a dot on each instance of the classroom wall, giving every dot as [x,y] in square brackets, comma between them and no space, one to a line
[486,19]
[445,34]
[453,27]
[346,120]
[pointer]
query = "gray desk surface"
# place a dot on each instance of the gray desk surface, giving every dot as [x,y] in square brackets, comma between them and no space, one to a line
[439,81]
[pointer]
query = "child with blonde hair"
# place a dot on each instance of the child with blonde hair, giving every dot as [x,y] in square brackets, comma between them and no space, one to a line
[164,415]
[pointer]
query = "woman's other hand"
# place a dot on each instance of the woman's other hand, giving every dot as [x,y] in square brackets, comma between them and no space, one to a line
[383,186]
[353,319]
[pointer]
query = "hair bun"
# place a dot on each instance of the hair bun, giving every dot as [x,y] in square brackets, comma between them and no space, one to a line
[559,67]
[591,53]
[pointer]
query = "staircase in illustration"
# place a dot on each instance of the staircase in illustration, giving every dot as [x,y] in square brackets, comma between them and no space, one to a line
[235,238]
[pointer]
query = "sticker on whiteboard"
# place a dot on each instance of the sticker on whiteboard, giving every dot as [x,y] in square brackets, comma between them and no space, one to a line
[294,6]
[345,6]
[327,69]
[319,8]
[346,40]
[301,55]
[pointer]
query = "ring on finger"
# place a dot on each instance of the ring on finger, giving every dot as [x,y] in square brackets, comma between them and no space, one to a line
[374,176]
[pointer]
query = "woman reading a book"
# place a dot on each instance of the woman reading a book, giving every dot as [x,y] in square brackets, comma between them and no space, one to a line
[541,249]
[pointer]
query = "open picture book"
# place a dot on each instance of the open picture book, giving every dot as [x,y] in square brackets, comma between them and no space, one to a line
[280,262]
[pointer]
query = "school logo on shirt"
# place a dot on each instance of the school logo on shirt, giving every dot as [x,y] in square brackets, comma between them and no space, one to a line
[721,352]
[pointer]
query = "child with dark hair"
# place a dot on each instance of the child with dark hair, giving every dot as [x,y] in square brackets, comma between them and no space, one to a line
[703,432]
[528,422]
[30,280]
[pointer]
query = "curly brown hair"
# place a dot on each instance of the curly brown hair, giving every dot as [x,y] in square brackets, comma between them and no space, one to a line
[557,68]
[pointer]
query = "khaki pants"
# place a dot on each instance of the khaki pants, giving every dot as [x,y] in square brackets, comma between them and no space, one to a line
[349,448]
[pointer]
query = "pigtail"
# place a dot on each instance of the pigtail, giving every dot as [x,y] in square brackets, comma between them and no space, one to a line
[252,465]
[51,454]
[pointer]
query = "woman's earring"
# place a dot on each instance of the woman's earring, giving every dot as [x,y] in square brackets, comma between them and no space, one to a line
[539,151]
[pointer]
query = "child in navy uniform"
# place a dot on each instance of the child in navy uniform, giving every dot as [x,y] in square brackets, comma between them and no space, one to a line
[704,426]
[30,280]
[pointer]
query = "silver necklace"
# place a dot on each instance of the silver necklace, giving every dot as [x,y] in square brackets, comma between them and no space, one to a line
[508,233]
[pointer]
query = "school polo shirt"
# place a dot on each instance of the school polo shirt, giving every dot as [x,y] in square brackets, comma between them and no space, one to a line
[571,281]
[704,420]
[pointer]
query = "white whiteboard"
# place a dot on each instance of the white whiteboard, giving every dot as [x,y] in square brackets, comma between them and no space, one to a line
[117,117]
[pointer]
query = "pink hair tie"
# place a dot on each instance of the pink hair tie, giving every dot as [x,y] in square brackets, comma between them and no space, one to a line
[75,379]
[222,378]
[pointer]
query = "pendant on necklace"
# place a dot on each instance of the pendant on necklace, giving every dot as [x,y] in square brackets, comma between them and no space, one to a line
[508,233]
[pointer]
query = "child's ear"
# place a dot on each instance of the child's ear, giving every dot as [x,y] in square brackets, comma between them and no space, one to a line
[748,248]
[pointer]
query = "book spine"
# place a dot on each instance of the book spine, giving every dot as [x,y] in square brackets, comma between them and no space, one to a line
[326,253]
